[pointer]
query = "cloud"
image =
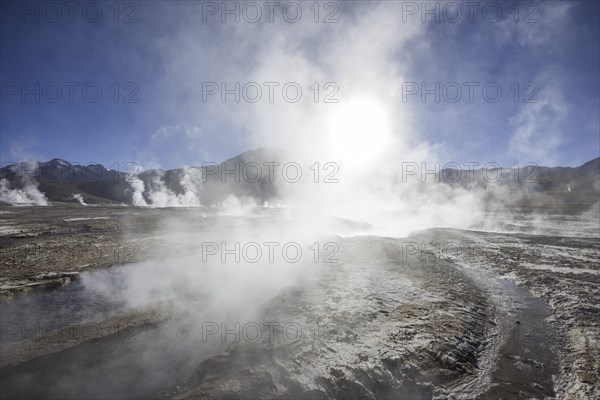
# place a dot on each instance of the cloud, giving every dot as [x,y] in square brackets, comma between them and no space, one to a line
[22,149]
[537,133]
[169,144]
[178,132]
[534,24]
[355,55]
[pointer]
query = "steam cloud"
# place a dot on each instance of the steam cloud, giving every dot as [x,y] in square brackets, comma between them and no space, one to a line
[79,199]
[370,198]
[29,194]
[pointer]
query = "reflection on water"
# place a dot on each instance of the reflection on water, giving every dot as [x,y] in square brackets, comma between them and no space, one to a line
[43,310]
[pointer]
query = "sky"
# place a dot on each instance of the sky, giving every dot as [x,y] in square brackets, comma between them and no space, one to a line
[142,81]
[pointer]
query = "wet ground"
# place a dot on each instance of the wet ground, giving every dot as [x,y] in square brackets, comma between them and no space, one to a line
[508,312]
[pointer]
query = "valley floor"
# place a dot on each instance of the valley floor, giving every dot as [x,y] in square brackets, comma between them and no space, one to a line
[443,313]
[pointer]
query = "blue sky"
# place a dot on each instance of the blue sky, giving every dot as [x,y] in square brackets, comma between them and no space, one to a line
[375,51]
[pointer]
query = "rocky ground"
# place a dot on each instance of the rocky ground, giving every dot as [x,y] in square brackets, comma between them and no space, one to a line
[384,333]
[43,246]
[564,272]
[440,314]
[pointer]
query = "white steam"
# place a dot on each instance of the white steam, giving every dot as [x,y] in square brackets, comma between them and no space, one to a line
[159,195]
[29,193]
[138,192]
[79,199]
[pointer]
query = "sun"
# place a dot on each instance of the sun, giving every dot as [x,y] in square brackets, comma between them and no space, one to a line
[358,132]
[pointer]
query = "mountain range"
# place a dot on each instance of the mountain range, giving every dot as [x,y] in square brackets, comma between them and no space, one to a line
[248,175]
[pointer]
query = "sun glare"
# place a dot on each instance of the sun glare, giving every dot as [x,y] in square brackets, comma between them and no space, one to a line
[359,131]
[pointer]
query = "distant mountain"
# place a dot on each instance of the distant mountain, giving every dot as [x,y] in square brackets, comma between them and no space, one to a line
[533,187]
[243,176]
[60,180]
[248,176]
[579,179]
